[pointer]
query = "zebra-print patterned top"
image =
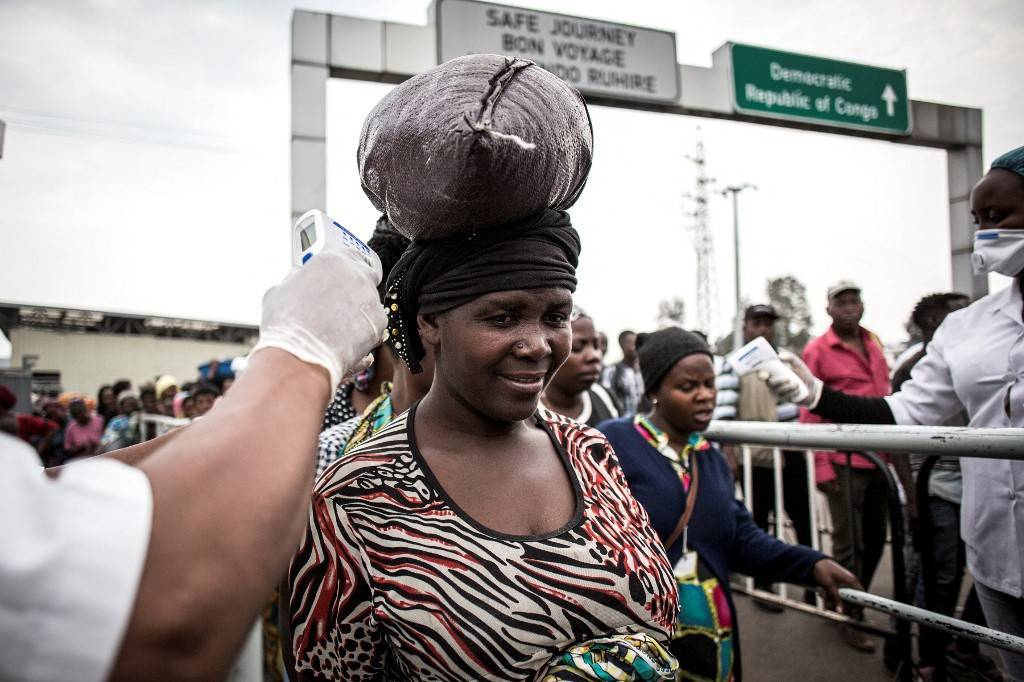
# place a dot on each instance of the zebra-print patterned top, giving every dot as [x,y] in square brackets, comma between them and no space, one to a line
[394,582]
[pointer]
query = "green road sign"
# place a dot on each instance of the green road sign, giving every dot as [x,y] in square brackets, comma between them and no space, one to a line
[826,91]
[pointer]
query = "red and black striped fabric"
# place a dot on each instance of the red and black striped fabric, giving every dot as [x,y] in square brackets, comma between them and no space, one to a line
[393,581]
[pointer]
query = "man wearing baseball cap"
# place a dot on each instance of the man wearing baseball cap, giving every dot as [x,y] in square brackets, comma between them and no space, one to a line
[849,358]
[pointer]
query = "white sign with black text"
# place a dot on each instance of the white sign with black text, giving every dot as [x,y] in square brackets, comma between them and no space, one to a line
[611,60]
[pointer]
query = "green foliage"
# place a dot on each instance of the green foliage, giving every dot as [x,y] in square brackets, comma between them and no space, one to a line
[789,297]
[671,312]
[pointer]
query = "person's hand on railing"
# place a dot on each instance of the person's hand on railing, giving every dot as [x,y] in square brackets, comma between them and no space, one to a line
[830,576]
[787,389]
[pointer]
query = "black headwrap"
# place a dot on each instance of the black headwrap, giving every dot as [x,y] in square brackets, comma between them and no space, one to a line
[660,350]
[389,244]
[436,275]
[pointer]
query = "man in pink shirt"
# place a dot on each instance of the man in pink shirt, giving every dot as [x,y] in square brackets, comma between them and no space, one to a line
[84,431]
[849,358]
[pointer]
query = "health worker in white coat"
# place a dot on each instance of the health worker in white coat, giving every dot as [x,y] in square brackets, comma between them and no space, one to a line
[153,562]
[975,363]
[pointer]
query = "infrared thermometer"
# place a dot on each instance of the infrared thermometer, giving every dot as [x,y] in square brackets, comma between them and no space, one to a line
[314,229]
[759,356]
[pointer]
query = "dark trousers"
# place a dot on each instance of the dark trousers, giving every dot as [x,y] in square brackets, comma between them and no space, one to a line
[1005,613]
[858,541]
[942,522]
[794,498]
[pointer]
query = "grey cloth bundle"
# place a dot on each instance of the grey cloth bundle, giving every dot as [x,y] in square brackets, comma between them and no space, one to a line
[479,141]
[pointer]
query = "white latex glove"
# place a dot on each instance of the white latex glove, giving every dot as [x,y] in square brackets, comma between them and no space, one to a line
[788,390]
[327,312]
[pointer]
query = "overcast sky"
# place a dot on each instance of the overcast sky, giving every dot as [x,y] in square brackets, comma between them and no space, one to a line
[146,163]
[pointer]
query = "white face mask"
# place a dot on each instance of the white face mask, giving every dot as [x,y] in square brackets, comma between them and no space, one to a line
[999,251]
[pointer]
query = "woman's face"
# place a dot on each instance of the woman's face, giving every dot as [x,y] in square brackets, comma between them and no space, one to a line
[997,201]
[496,353]
[686,396]
[107,398]
[583,366]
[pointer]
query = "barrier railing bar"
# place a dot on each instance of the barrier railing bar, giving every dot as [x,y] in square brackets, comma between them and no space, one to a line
[748,493]
[813,610]
[931,619]
[779,506]
[924,440]
[812,508]
[902,641]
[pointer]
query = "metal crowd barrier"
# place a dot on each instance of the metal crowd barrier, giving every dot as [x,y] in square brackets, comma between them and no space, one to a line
[932,619]
[865,440]
[155,425]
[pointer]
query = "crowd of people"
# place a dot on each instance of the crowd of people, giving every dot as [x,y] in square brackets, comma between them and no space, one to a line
[652,406]
[66,425]
[487,499]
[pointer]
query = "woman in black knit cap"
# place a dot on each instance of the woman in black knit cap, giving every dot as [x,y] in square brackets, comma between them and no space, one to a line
[686,487]
[473,537]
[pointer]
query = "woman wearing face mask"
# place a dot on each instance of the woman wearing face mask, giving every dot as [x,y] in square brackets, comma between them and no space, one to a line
[474,537]
[975,363]
[574,391]
[686,487]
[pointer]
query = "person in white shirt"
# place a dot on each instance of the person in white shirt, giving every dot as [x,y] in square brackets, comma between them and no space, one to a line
[152,562]
[974,363]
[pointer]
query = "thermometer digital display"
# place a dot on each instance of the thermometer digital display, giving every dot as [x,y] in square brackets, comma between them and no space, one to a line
[311,232]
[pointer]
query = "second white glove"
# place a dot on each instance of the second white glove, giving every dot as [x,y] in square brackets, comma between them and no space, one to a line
[789,390]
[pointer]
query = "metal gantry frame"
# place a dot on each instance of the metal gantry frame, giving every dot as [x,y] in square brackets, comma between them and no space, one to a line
[333,46]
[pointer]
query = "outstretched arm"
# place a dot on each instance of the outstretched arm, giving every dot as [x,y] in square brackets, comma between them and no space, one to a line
[229,501]
[230,492]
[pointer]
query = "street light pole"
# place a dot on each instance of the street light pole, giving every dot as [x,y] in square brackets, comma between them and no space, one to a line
[734,190]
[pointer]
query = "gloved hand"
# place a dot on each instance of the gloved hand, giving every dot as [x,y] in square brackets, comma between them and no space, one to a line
[327,312]
[787,390]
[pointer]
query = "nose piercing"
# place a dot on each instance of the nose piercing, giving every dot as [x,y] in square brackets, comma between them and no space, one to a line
[520,345]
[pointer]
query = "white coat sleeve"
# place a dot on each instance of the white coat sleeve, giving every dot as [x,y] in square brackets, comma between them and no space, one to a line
[71,556]
[928,398]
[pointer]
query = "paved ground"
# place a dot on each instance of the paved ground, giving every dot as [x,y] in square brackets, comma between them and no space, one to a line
[797,646]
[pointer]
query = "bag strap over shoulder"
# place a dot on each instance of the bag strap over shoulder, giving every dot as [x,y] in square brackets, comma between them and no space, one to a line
[691,501]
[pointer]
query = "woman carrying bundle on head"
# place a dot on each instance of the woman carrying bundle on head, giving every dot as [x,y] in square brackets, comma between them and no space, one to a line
[475,537]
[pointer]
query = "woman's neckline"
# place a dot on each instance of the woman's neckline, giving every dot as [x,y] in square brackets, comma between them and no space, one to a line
[563,457]
[586,408]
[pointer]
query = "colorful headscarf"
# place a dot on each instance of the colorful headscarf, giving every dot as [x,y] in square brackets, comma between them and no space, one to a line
[66,398]
[163,383]
[1012,161]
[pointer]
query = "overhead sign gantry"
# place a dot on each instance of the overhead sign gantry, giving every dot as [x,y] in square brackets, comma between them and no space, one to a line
[634,67]
[800,87]
[597,57]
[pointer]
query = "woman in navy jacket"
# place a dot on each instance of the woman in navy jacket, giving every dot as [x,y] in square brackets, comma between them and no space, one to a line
[670,468]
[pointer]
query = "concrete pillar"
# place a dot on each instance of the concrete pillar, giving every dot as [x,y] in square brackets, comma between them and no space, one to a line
[963,170]
[310,47]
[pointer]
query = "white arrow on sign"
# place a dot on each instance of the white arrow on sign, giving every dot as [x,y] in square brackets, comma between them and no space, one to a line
[889,95]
